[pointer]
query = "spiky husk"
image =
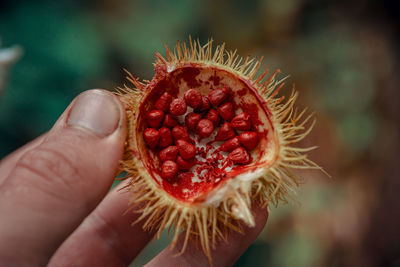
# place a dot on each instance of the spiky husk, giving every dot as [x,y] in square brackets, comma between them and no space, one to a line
[208,224]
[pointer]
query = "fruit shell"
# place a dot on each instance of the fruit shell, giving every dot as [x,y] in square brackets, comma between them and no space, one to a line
[267,179]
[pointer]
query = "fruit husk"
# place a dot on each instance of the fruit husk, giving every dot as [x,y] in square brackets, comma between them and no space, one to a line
[203,218]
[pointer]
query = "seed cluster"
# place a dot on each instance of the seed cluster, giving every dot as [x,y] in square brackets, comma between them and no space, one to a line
[172,140]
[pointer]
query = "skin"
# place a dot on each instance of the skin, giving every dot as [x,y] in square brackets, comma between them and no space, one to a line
[55,208]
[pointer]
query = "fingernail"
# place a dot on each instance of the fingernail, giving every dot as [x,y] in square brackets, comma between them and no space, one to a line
[96,111]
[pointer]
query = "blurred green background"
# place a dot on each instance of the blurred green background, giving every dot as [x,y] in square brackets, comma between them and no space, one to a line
[342,56]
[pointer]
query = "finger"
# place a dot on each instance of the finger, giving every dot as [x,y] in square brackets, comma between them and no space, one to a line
[106,237]
[54,186]
[225,254]
[7,164]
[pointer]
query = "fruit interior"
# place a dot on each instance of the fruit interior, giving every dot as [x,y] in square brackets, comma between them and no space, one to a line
[190,180]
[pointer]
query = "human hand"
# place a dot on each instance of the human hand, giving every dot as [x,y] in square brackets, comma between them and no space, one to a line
[54,206]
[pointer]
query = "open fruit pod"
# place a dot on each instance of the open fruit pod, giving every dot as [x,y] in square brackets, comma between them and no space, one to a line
[207,138]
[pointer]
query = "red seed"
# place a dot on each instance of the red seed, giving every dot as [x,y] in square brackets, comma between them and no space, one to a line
[205,127]
[177,107]
[154,118]
[218,96]
[226,111]
[239,156]
[191,121]
[193,98]
[170,121]
[241,122]
[186,150]
[163,102]
[180,132]
[184,165]
[168,153]
[230,145]
[168,170]
[151,137]
[213,116]
[225,132]
[205,104]
[165,137]
[249,139]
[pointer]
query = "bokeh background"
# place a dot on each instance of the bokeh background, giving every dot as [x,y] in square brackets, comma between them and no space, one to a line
[342,56]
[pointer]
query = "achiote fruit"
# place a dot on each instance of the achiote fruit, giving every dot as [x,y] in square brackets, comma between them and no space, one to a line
[207,138]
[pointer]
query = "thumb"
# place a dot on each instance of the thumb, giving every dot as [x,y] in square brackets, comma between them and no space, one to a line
[54,186]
